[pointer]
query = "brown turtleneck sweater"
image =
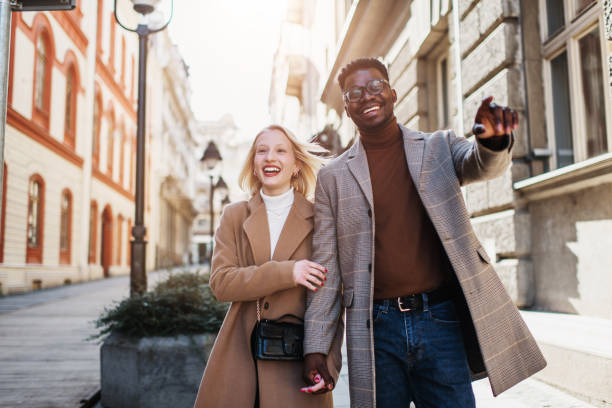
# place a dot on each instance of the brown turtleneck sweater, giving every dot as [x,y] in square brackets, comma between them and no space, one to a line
[409,257]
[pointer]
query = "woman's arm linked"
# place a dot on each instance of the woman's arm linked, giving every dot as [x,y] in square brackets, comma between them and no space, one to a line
[233,283]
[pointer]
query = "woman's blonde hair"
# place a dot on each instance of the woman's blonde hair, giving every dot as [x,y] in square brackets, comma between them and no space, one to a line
[306,158]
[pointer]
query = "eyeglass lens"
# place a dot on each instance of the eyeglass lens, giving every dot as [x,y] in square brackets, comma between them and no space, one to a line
[374,87]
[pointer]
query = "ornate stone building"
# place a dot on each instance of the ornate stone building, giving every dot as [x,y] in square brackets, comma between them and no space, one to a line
[546,222]
[68,194]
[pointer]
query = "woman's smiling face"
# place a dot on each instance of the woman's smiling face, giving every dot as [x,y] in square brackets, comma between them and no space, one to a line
[274,162]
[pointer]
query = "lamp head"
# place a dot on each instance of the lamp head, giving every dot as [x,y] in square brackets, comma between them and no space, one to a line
[211,156]
[145,7]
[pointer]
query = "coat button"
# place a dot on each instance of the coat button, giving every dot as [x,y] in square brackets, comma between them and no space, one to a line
[369,213]
[266,305]
[368,323]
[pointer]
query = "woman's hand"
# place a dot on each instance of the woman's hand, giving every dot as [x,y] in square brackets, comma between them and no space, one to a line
[309,274]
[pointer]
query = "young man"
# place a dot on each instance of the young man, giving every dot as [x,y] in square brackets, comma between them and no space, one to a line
[425,311]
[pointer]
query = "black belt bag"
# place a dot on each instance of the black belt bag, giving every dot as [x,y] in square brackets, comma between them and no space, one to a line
[279,341]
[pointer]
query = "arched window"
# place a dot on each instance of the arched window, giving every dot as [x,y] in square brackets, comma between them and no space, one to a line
[41,72]
[71,106]
[35,220]
[93,230]
[110,151]
[3,217]
[65,226]
[97,117]
[42,77]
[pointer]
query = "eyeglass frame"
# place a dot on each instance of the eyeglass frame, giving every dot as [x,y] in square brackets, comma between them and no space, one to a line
[364,89]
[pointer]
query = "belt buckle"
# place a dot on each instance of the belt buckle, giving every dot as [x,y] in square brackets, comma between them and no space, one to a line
[401,308]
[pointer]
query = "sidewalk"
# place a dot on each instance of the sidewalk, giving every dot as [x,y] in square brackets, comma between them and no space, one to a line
[45,361]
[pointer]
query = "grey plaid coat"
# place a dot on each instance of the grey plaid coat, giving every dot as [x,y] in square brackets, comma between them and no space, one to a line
[498,342]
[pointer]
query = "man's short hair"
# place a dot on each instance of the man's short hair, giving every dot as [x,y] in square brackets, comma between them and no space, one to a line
[361,63]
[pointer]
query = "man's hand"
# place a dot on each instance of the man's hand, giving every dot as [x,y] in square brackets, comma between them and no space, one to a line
[494,120]
[315,368]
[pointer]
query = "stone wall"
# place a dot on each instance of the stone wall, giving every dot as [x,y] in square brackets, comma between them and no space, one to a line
[571,241]
[492,64]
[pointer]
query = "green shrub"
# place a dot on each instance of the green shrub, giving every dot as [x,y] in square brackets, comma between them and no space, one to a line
[182,304]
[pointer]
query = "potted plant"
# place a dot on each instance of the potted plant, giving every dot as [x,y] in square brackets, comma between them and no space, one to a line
[155,346]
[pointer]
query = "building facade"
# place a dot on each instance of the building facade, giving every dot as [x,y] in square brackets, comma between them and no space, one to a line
[233,147]
[546,222]
[68,199]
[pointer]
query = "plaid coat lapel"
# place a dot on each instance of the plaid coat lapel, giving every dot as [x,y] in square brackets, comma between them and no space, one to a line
[414,147]
[358,165]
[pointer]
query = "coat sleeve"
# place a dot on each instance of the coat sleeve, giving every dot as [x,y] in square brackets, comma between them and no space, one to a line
[475,162]
[324,306]
[233,283]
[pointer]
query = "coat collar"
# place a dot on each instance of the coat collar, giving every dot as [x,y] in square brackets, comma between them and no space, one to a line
[414,147]
[297,227]
[357,161]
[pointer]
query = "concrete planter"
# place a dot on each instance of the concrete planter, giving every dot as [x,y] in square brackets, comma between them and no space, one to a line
[153,371]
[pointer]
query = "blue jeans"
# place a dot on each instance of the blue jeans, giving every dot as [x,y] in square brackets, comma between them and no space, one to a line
[420,357]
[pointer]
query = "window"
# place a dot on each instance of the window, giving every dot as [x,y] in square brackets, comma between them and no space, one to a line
[36,201]
[42,77]
[443,86]
[93,230]
[65,226]
[71,105]
[578,114]
[97,116]
[41,72]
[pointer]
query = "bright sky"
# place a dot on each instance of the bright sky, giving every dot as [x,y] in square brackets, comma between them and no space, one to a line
[229,46]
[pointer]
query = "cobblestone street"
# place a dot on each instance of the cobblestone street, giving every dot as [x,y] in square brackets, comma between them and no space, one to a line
[45,360]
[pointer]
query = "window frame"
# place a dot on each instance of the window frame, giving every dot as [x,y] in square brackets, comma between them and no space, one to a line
[576,26]
[65,255]
[34,255]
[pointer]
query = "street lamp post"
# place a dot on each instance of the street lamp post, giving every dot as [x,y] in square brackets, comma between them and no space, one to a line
[138,275]
[210,159]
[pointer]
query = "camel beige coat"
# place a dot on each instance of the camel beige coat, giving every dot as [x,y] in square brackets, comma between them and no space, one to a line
[241,273]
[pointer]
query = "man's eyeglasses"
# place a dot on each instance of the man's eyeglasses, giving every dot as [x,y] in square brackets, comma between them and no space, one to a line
[374,87]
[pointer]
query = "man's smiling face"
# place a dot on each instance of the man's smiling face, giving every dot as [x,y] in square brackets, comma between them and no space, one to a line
[370,111]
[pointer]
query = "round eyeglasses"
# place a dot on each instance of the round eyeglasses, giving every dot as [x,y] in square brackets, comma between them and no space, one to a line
[374,87]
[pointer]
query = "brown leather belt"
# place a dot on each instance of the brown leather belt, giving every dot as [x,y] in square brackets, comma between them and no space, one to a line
[415,302]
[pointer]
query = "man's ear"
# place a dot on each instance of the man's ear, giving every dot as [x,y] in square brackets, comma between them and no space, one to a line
[394,95]
[347,111]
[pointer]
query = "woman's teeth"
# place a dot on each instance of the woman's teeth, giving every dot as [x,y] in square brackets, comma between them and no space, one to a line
[271,170]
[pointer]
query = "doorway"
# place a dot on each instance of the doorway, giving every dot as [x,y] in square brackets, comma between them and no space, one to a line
[107,241]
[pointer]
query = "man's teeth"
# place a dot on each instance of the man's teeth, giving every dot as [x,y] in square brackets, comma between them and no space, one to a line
[371,109]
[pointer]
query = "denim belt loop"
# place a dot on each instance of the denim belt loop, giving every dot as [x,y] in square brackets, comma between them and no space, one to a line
[425,302]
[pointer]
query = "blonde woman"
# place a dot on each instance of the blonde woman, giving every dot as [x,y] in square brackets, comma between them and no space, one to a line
[261,256]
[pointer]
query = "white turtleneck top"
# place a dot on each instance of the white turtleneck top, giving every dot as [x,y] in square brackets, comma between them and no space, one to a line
[277,208]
